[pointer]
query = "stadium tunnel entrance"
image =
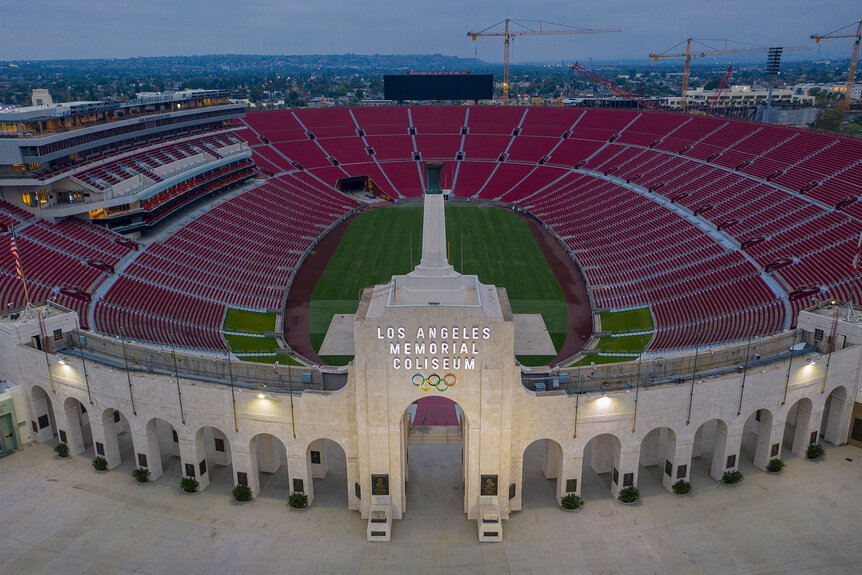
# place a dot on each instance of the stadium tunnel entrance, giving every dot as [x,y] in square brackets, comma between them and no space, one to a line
[434,447]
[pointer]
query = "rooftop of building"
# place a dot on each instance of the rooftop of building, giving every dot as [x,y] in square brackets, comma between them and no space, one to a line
[64,109]
[845,311]
[32,313]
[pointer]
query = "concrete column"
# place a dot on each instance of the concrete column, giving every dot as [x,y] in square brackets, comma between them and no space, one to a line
[769,434]
[837,425]
[602,454]
[626,462]
[299,468]
[268,453]
[807,422]
[244,460]
[552,460]
[353,503]
[516,471]
[570,471]
[193,456]
[678,453]
[727,444]
[146,443]
[472,489]
[319,469]
[105,433]
[68,418]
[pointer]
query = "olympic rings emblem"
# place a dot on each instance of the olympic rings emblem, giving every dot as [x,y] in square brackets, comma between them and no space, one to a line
[433,381]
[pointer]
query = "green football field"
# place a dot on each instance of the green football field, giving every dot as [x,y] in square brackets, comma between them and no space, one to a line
[497,246]
[255,324]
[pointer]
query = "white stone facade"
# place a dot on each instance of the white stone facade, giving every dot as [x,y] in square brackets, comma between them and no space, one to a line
[400,336]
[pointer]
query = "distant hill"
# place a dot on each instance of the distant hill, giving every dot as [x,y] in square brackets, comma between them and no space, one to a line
[218,65]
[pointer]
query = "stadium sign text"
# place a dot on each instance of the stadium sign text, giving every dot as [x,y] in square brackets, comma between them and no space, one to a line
[434,347]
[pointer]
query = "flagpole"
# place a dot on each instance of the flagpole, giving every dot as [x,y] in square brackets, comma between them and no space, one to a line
[19,267]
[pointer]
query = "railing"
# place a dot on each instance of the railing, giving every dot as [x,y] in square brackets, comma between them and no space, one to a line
[210,367]
[703,363]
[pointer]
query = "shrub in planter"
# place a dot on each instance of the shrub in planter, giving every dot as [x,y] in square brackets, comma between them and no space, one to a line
[775,465]
[629,494]
[189,484]
[62,450]
[100,463]
[298,500]
[142,474]
[571,501]
[814,451]
[681,487]
[731,477]
[242,493]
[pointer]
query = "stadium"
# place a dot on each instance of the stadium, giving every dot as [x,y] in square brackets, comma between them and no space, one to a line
[635,297]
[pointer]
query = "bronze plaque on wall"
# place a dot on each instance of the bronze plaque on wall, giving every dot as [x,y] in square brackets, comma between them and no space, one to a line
[380,484]
[489,485]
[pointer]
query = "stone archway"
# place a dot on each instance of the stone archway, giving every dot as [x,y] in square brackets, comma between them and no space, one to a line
[329,473]
[166,446]
[434,458]
[664,460]
[837,410]
[207,458]
[269,465]
[601,476]
[43,422]
[761,440]
[800,427]
[78,432]
[714,450]
[112,439]
[540,474]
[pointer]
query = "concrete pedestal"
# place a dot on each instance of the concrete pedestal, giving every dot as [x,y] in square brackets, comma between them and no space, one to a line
[489,523]
[380,519]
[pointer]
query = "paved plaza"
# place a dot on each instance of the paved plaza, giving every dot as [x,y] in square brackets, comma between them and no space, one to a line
[59,517]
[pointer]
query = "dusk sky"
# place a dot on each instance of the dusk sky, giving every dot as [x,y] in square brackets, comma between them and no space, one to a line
[54,29]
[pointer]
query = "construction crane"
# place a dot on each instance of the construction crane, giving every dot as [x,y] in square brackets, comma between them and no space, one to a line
[619,90]
[689,54]
[535,28]
[851,74]
[722,86]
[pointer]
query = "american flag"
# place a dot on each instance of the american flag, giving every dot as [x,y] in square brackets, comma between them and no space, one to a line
[13,246]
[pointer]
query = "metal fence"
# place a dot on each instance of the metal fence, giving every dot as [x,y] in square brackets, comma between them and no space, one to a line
[701,363]
[121,354]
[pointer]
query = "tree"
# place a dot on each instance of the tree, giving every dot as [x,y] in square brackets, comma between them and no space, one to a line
[830,119]
[852,129]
